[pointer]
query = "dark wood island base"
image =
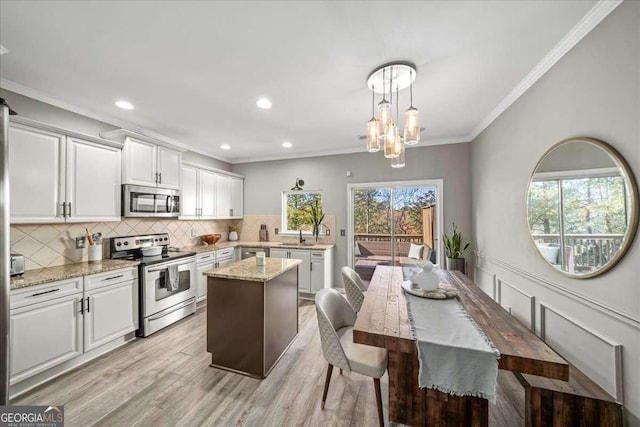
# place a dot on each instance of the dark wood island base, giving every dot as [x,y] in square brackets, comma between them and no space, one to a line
[250,323]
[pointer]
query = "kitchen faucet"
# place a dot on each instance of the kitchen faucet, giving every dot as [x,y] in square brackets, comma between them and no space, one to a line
[301,239]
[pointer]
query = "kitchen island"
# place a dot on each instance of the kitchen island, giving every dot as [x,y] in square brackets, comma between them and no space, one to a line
[252,314]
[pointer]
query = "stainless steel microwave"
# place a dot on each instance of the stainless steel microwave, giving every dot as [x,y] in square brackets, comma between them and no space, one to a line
[139,201]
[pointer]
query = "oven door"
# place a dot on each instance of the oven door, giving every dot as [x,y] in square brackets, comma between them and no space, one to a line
[140,201]
[158,295]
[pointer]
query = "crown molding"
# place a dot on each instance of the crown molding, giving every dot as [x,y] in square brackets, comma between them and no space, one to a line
[351,150]
[595,15]
[588,22]
[105,118]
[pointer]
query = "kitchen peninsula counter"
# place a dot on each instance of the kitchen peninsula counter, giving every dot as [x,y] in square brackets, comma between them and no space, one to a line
[252,314]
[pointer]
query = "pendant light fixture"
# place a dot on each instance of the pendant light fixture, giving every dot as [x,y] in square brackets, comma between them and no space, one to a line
[384,111]
[391,140]
[391,131]
[398,160]
[373,128]
[411,121]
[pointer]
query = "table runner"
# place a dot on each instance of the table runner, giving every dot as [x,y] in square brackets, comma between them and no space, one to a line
[455,355]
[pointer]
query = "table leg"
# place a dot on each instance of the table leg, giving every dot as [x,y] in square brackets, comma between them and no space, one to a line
[408,404]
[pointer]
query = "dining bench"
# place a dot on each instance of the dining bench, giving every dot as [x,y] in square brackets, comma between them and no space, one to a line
[577,402]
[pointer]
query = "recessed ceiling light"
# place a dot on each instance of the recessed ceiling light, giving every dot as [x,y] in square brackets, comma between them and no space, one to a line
[287,144]
[125,105]
[263,103]
[225,147]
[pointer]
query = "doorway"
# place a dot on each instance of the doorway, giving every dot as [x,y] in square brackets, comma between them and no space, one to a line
[387,220]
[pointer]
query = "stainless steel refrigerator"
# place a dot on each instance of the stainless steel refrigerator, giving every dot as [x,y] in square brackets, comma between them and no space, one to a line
[5,111]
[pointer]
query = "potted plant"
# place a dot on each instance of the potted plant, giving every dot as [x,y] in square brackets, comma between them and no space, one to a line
[453,250]
[316,219]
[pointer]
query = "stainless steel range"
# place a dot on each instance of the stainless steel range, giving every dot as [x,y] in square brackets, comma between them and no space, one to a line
[167,281]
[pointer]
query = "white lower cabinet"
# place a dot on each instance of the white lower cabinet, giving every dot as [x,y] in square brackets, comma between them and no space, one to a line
[58,321]
[318,273]
[44,335]
[204,262]
[108,314]
[304,269]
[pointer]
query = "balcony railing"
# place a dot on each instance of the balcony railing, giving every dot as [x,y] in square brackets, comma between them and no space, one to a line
[408,238]
[589,251]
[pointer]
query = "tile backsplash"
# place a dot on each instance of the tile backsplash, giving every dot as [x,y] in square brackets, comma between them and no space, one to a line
[250,227]
[48,245]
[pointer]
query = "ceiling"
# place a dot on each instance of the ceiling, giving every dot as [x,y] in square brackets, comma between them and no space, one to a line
[194,70]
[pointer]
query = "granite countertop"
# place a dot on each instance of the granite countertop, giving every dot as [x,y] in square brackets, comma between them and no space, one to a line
[248,270]
[61,272]
[284,245]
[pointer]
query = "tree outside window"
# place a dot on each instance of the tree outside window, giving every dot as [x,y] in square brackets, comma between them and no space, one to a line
[296,210]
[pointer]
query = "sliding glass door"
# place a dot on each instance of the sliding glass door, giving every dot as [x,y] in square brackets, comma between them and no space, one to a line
[393,223]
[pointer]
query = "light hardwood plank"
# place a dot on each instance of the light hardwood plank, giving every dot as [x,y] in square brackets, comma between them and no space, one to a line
[165,380]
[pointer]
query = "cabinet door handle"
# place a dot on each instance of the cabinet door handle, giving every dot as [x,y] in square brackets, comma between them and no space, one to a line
[160,178]
[61,210]
[81,305]
[156,175]
[88,304]
[45,292]
[69,207]
[113,277]
[311,266]
[230,212]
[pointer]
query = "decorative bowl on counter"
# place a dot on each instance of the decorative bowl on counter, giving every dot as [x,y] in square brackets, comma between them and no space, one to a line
[211,239]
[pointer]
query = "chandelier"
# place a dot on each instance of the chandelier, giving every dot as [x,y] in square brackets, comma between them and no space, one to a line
[382,132]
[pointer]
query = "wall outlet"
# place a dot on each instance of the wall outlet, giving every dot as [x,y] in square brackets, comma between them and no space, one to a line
[327,232]
[342,232]
[193,232]
[81,242]
[276,231]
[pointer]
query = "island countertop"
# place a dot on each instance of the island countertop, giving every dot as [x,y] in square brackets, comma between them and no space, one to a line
[248,270]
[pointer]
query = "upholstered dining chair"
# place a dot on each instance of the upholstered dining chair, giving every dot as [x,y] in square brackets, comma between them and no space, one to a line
[335,322]
[353,287]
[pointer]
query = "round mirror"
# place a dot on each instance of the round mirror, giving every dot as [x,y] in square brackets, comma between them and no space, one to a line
[582,207]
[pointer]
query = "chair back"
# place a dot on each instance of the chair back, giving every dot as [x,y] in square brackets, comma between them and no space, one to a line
[353,287]
[334,313]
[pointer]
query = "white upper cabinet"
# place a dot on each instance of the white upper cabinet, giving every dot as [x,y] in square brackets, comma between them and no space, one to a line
[140,163]
[149,164]
[93,181]
[58,176]
[189,205]
[198,193]
[223,196]
[237,194]
[169,168]
[36,173]
[229,196]
[208,194]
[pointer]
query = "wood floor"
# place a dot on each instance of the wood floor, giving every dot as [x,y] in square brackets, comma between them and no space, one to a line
[165,380]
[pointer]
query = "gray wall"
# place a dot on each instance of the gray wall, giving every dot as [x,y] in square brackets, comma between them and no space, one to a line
[593,91]
[46,113]
[265,182]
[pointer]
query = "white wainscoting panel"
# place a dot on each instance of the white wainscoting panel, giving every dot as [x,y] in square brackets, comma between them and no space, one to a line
[486,281]
[522,305]
[597,356]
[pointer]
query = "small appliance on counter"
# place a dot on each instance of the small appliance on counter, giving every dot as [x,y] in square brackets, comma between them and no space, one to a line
[17,264]
[264,234]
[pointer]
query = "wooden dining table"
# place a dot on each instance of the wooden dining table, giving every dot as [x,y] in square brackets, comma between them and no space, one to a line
[383,321]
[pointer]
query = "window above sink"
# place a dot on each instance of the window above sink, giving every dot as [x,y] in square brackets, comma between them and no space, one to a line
[296,211]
